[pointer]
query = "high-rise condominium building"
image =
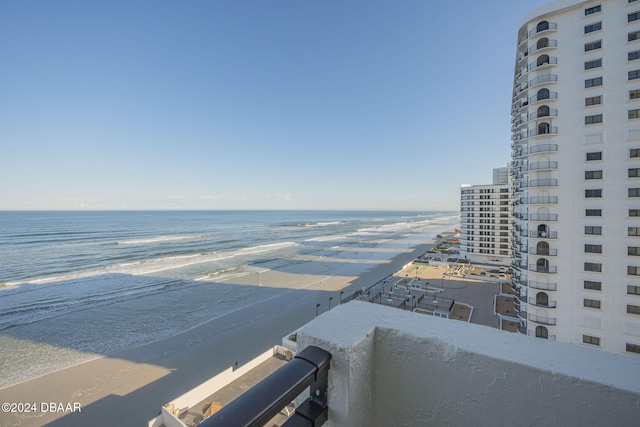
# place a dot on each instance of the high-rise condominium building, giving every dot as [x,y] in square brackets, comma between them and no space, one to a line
[485,221]
[576,173]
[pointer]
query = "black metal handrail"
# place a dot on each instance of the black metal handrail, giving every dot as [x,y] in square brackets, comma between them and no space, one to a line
[262,402]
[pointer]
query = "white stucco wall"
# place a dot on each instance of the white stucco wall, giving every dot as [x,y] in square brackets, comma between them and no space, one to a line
[392,367]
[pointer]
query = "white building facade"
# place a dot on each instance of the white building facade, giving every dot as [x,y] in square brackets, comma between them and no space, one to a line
[485,221]
[576,174]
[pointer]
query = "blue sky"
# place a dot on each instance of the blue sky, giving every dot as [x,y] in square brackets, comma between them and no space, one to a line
[253,104]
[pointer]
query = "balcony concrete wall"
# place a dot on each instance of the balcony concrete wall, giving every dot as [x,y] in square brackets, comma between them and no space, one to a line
[392,367]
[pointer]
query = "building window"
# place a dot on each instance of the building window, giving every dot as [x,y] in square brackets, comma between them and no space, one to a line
[592,10]
[633,250]
[593,286]
[592,46]
[633,290]
[591,120]
[634,192]
[594,82]
[632,56]
[593,100]
[634,94]
[593,193]
[634,152]
[633,348]
[633,309]
[633,270]
[593,174]
[634,212]
[633,231]
[592,27]
[633,172]
[591,303]
[634,114]
[593,266]
[596,155]
[593,212]
[633,16]
[635,74]
[593,229]
[588,339]
[593,249]
[596,63]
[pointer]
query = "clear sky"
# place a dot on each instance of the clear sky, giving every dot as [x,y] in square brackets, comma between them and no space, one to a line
[264,104]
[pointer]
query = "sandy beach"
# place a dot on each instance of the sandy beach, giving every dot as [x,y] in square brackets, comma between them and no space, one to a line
[130,386]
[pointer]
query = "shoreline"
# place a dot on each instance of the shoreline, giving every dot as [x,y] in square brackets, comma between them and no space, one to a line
[128,387]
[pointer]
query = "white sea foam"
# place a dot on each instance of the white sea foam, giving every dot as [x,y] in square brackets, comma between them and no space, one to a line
[158,239]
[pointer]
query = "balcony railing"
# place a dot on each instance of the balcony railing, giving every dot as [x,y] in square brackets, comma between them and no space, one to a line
[543,320]
[543,79]
[550,43]
[551,130]
[548,304]
[543,217]
[535,98]
[542,286]
[543,183]
[543,148]
[551,113]
[545,252]
[552,61]
[543,165]
[543,269]
[310,368]
[551,26]
[543,234]
[522,313]
[545,200]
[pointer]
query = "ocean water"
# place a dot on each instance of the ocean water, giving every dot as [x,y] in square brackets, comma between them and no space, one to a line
[78,285]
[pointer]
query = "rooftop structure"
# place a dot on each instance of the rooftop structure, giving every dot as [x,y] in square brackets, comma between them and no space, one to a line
[576,174]
[393,367]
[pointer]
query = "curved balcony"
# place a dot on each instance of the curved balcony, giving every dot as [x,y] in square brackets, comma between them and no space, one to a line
[522,313]
[543,183]
[543,217]
[543,234]
[551,321]
[543,165]
[544,252]
[552,112]
[539,47]
[545,200]
[542,27]
[552,60]
[522,329]
[547,78]
[520,215]
[543,148]
[549,304]
[542,286]
[541,131]
[543,97]
[551,269]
